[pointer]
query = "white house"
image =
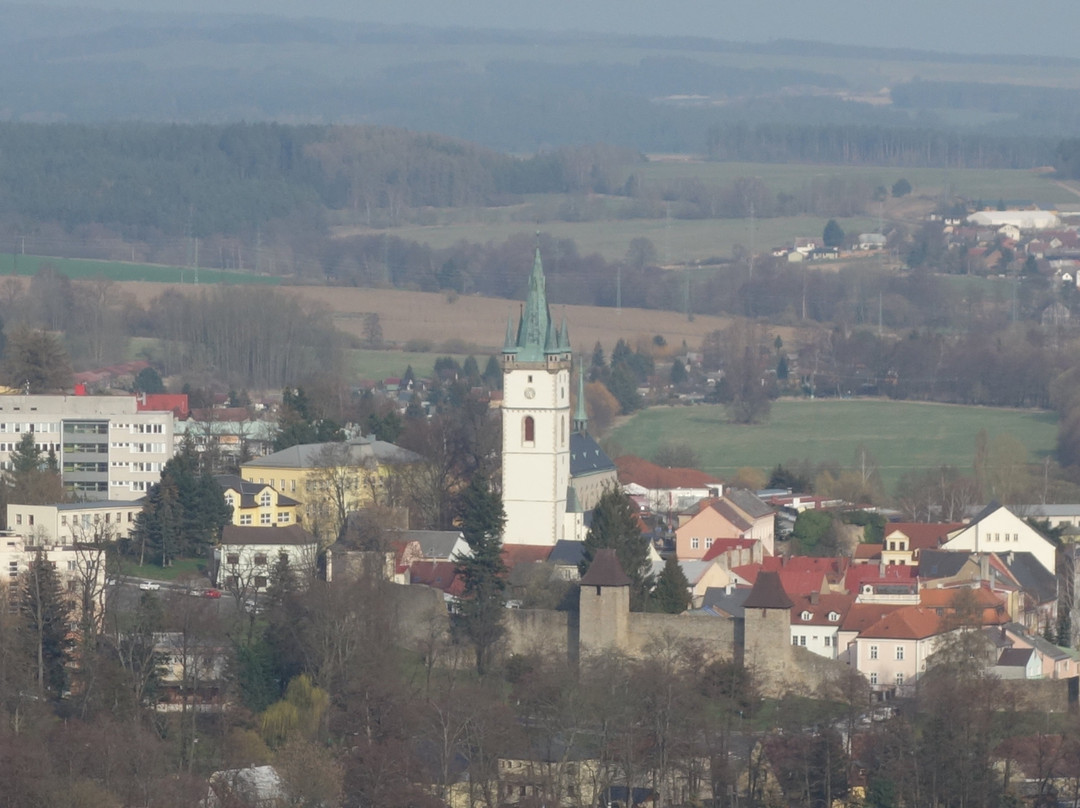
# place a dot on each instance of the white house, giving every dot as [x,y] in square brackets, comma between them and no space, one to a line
[244,562]
[816,621]
[996,529]
[893,652]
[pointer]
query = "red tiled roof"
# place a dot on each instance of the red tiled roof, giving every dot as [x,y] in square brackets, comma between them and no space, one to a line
[802,582]
[720,546]
[832,568]
[924,535]
[859,574]
[867,550]
[514,554]
[862,615]
[649,475]
[906,623]
[992,606]
[749,572]
[440,575]
[819,612]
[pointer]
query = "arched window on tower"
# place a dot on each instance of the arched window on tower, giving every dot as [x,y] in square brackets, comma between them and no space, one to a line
[530,430]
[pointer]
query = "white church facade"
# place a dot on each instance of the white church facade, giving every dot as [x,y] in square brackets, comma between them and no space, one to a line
[539,442]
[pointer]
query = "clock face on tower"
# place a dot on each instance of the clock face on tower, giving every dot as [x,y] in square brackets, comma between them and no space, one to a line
[530,393]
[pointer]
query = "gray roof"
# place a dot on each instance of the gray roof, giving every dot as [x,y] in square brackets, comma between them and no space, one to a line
[258,534]
[1041,644]
[1043,511]
[748,502]
[586,456]
[566,553]
[718,600]
[311,455]
[1036,580]
[768,593]
[605,570]
[433,543]
[692,569]
[1015,657]
[249,490]
[942,563]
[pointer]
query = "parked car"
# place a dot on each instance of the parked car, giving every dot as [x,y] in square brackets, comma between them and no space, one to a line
[212,593]
[149,586]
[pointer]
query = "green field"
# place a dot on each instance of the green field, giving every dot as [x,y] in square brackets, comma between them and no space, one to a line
[902,435]
[678,241]
[83,268]
[986,184]
[377,365]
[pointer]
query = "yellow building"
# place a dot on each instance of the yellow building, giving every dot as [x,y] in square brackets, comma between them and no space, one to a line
[257,504]
[328,480]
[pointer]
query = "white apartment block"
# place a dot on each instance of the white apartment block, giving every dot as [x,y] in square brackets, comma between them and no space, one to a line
[105,448]
[69,522]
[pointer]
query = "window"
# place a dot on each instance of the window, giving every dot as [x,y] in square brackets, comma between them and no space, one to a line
[530,429]
[18,518]
[264,518]
[833,617]
[245,519]
[899,679]
[873,652]
[873,677]
[260,559]
[260,581]
[694,542]
[802,640]
[900,653]
[828,641]
[232,558]
[805,615]
[794,640]
[264,499]
[283,518]
[231,580]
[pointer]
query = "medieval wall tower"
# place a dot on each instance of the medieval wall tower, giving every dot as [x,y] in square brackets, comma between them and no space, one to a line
[767,628]
[603,606]
[536,421]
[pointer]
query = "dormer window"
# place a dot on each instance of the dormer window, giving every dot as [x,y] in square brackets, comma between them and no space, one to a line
[833,617]
[805,615]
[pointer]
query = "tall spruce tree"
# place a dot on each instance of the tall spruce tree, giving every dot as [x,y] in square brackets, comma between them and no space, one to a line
[483,571]
[183,514]
[47,617]
[672,591]
[615,525]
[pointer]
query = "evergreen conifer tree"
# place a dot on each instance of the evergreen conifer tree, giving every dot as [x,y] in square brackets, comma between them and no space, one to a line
[482,604]
[672,591]
[615,525]
[47,617]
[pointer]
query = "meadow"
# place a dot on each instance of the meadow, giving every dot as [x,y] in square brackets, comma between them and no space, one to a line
[902,436]
[85,268]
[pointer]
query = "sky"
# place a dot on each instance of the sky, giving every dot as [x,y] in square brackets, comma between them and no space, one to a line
[1045,27]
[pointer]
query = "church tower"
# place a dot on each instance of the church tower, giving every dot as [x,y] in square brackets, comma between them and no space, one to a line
[536,421]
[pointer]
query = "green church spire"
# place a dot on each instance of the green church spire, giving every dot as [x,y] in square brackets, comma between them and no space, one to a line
[536,334]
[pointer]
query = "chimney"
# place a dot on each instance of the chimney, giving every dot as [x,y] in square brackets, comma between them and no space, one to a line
[814,596]
[984,566]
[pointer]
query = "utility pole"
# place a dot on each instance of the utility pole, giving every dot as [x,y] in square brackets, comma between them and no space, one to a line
[752,244]
[618,289]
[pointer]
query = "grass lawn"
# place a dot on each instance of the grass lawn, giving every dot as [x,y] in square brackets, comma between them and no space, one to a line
[181,568]
[902,435]
[84,268]
[678,241]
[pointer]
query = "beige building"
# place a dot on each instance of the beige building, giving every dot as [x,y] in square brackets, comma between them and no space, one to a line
[64,523]
[105,447]
[320,476]
[79,568]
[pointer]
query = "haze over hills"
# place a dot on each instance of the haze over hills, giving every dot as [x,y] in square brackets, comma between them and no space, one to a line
[962,26]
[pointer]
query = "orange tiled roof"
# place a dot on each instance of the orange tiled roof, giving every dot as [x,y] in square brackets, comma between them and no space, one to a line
[906,623]
[924,535]
[514,554]
[633,469]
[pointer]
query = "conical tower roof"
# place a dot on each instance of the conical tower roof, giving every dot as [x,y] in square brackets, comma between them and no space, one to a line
[768,593]
[605,570]
[581,416]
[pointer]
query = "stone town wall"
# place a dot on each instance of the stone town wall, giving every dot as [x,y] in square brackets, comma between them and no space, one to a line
[543,631]
[716,635]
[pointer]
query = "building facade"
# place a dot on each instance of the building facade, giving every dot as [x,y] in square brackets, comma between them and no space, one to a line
[67,522]
[536,428]
[104,446]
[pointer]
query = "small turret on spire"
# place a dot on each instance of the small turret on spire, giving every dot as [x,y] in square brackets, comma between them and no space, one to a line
[509,344]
